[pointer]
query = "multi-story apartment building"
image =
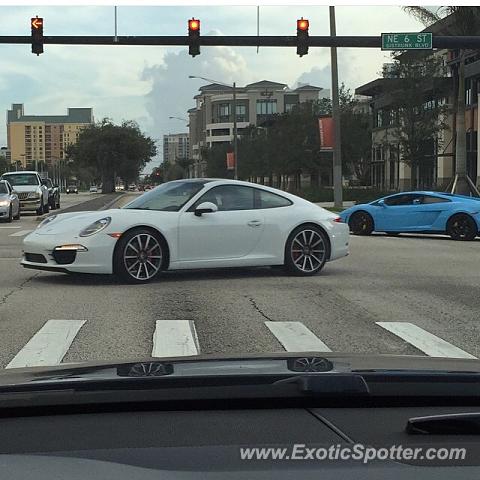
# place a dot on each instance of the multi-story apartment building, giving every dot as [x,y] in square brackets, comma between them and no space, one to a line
[388,168]
[43,138]
[211,120]
[175,147]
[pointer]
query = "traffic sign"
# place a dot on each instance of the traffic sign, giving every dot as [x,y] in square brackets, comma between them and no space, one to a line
[407,41]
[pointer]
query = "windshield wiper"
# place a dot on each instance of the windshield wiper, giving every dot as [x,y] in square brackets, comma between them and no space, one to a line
[449,424]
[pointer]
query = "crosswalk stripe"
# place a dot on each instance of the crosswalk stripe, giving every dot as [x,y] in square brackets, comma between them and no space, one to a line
[21,233]
[49,345]
[425,341]
[175,338]
[296,337]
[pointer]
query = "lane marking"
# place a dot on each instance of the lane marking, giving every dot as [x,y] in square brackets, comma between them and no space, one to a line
[425,341]
[49,345]
[296,337]
[175,338]
[21,233]
[2,227]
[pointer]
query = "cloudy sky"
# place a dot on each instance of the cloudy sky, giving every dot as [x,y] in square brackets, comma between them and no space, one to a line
[149,84]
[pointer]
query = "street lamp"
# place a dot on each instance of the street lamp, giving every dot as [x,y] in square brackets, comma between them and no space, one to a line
[179,118]
[234,102]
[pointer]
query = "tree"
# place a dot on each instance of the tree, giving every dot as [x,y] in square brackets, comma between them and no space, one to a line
[461,21]
[416,112]
[3,165]
[112,151]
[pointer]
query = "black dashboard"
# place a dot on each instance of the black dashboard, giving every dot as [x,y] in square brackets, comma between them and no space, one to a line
[206,444]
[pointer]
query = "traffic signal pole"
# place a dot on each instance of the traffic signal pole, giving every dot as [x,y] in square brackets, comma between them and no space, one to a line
[337,149]
[450,42]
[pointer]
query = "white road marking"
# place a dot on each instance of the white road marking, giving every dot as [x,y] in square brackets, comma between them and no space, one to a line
[49,345]
[21,233]
[175,338]
[296,337]
[10,227]
[425,341]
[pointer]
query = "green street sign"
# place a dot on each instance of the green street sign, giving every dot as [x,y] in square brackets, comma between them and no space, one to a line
[407,41]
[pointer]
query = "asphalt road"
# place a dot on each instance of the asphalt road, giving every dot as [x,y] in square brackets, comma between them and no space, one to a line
[429,284]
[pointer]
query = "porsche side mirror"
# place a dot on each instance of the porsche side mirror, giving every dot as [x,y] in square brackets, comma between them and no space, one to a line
[205,207]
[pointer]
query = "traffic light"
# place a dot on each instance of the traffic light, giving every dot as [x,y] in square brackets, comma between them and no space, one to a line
[37,35]
[194,37]
[302,36]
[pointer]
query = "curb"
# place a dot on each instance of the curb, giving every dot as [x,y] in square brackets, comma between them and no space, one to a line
[112,202]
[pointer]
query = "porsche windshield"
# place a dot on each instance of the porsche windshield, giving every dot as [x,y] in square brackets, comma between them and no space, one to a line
[169,197]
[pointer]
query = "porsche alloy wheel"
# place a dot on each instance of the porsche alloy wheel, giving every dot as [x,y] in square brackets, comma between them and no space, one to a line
[139,256]
[306,251]
[361,223]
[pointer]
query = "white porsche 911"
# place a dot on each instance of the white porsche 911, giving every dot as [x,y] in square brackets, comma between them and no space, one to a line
[187,224]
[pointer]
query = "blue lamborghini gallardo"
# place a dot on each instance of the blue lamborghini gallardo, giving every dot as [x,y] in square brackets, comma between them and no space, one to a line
[419,212]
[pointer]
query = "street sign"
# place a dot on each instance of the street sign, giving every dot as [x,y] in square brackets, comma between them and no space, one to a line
[407,41]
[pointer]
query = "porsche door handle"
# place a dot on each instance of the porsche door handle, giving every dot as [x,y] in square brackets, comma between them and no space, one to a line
[254,223]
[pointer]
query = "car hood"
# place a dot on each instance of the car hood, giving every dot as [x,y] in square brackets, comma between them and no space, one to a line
[73,222]
[122,218]
[209,365]
[26,188]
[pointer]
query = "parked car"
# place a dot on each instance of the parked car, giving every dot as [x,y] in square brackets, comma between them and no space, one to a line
[185,224]
[417,212]
[9,202]
[53,193]
[72,189]
[93,189]
[132,187]
[33,195]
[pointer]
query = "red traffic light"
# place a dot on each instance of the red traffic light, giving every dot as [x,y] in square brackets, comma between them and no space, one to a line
[37,23]
[194,25]
[303,24]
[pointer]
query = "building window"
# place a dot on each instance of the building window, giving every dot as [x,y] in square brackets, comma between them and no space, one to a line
[379,118]
[241,113]
[224,111]
[266,107]
[468,91]
[220,132]
[289,107]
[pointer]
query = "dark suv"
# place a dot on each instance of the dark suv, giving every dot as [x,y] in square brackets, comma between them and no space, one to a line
[53,194]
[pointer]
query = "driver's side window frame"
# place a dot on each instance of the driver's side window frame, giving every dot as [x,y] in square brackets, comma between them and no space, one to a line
[209,192]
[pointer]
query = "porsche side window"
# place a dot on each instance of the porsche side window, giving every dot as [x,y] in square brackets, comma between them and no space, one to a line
[229,197]
[271,200]
[427,199]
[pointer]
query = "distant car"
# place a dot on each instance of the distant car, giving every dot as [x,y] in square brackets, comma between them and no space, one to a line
[32,193]
[141,188]
[72,189]
[53,193]
[9,202]
[419,212]
[93,189]
[132,187]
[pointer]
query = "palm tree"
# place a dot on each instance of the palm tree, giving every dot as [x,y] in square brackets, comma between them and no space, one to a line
[462,21]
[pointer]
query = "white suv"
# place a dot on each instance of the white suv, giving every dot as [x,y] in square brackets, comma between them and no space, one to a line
[33,195]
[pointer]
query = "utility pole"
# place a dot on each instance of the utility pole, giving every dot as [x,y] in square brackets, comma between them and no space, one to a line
[337,149]
[235,149]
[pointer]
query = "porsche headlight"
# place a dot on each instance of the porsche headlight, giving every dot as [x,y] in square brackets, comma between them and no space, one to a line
[48,220]
[96,227]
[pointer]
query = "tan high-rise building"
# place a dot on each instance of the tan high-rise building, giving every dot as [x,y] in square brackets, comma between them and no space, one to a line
[43,138]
